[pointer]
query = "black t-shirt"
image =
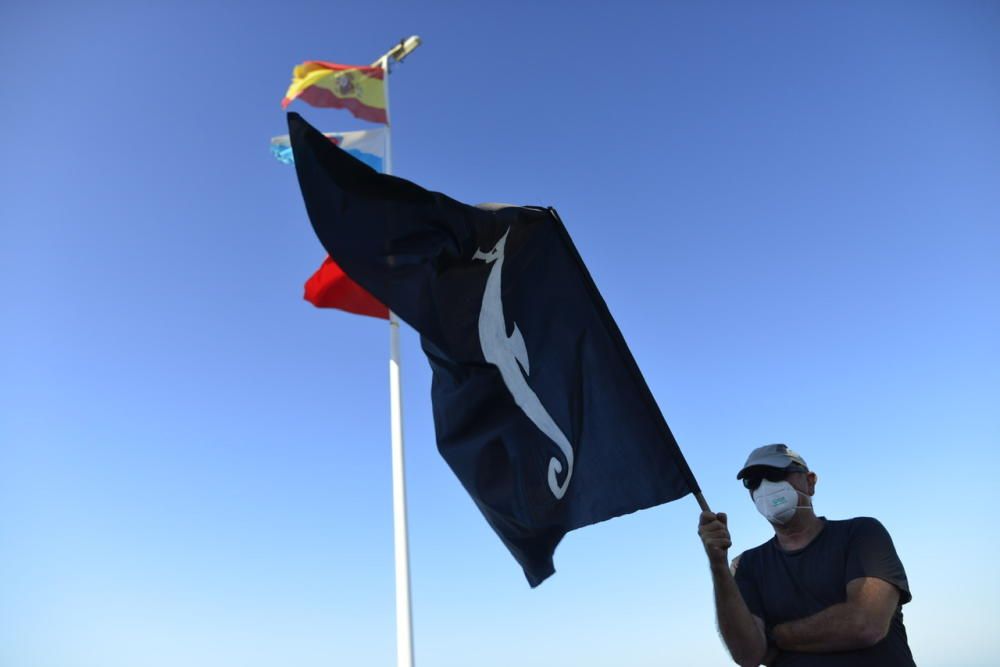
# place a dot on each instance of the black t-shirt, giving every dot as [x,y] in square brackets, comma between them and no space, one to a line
[780,586]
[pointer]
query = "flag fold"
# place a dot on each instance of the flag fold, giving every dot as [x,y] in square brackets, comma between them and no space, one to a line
[329,286]
[539,408]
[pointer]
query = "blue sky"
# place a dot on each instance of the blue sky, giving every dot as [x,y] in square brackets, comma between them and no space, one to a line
[791,209]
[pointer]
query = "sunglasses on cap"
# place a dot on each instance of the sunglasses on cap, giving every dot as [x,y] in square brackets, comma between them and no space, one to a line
[753,479]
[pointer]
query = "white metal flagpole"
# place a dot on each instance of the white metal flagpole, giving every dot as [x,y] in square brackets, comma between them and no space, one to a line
[404,622]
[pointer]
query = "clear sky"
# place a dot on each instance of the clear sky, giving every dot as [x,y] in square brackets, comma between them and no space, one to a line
[792,210]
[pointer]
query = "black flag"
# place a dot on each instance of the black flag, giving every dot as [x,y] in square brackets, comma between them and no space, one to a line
[539,407]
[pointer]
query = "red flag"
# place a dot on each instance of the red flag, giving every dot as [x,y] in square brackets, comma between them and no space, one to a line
[330,287]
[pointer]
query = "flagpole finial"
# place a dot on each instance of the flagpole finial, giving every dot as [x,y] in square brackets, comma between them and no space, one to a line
[399,51]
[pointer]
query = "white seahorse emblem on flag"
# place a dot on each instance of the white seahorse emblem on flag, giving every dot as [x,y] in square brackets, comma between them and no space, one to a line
[510,356]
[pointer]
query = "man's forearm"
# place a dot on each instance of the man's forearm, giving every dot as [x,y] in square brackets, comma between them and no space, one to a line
[742,635]
[841,627]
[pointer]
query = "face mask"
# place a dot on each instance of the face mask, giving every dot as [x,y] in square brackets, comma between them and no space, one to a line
[777,501]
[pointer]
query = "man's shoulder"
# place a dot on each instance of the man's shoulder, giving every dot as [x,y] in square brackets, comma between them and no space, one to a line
[858,524]
[857,521]
[860,530]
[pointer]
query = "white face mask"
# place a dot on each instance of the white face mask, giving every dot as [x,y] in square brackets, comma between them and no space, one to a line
[777,501]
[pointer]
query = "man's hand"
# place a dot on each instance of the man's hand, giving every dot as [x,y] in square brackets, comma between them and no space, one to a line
[714,535]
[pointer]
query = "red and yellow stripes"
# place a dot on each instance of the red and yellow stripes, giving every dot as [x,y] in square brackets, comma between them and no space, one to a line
[360,90]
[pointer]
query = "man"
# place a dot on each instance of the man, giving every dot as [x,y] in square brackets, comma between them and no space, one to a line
[819,592]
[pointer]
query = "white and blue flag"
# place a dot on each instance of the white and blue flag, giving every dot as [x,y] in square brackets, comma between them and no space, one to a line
[366,145]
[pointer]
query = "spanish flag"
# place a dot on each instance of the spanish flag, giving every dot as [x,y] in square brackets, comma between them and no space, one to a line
[359,89]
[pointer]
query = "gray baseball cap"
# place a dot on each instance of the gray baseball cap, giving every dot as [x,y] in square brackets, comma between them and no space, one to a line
[774,456]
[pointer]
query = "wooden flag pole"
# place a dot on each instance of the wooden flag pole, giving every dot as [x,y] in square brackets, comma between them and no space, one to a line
[702,503]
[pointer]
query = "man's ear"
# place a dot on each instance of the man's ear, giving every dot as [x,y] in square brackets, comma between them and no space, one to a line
[811,479]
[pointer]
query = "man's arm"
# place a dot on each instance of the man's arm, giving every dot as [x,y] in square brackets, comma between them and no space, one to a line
[862,621]
[742,632]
